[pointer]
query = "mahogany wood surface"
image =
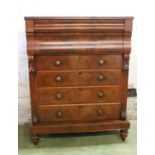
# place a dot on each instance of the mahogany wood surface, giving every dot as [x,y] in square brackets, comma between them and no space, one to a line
[80,127]
[73,113]
[79,95]
[78,78]
[78,62]
[78,71]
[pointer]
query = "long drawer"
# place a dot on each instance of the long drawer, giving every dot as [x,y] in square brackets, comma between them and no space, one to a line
[78,62]
[72,113]
[79,95]
[81,78]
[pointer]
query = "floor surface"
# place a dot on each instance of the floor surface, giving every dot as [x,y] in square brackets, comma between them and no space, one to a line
[104,143]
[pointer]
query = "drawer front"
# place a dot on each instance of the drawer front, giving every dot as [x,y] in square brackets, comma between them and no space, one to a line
[74,113]
[79,95]
[83,78]
[78,62]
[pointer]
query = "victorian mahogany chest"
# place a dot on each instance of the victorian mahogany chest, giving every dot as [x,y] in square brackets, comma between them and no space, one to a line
[78,69]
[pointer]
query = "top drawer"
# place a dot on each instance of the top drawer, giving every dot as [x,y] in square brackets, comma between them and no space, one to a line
[78,62]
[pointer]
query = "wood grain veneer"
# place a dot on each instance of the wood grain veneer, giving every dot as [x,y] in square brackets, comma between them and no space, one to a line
[78,71]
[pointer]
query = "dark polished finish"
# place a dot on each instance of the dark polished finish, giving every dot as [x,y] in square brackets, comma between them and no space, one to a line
[78,69]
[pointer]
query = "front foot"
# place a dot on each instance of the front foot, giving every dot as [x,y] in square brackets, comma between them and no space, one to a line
[35,139]
[123,134]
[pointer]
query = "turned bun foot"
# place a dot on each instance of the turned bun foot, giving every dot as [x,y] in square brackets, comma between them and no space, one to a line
[35,139]
[123,134]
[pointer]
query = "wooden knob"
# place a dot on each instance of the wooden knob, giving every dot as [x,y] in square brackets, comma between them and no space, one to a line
[99,112]
[101,62]
[58,78]
[59,96]
[59,114]
[100,94]
[101,77]
[57,62]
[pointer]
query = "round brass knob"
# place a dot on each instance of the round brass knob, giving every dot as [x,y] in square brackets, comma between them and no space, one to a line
[59,114]
[100,94]
[101,77]
[57,62]
[101,62]
[59,96]
[58,78]
[99,112]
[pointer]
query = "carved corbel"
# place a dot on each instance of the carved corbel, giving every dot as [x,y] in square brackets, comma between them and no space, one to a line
[31,64]
[123,115]
[126,62]
[34,120]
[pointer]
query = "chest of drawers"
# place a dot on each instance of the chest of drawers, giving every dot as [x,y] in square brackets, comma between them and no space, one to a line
[78,70]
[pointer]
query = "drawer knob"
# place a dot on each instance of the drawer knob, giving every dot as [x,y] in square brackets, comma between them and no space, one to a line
[99,112]
[57,62]
[100,94]
[58,78]
[101,62]
[59,96]
[59,114]
[101,77]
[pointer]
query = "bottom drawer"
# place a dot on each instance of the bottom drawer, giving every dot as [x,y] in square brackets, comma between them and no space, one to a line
[72,113]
